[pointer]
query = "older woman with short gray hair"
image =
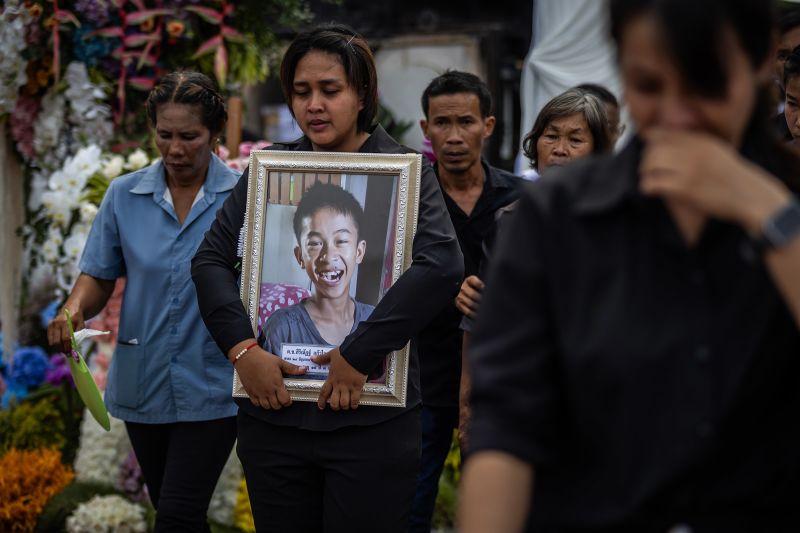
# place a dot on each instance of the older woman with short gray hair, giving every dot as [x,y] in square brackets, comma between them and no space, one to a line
[570,126]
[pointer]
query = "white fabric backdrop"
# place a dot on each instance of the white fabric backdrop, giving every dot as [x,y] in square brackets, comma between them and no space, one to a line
[571,45]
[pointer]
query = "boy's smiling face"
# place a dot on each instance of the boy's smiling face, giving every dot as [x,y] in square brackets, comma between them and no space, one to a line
[329,251]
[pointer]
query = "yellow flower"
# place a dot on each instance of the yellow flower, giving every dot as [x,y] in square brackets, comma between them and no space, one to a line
[242,513]
[35,10]
[29,479]
[42,77]
[49,23]
[147,24]
[175,28]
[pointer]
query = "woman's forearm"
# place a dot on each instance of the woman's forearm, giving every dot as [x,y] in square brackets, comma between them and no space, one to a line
[783,263]
[496,492]
[89,295]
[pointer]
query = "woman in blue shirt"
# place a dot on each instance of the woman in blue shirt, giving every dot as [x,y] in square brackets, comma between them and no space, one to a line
[168,380]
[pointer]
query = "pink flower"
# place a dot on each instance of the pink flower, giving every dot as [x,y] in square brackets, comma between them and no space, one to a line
[100,379]
[246,147]
[427,150]
[101,360]
[22,121]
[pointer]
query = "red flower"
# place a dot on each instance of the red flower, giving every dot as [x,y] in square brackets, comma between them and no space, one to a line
[175,28]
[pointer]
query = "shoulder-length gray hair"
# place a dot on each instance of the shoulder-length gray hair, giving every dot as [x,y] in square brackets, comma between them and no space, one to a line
[568,103]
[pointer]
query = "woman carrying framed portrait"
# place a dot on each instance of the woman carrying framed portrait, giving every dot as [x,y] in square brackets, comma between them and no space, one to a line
[331,462]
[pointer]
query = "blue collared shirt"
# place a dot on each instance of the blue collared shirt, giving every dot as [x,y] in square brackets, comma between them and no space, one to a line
[166,368]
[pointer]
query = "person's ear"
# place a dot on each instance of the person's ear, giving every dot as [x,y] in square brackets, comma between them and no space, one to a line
[423,125]
[488,126]
[361,249]
[298,254]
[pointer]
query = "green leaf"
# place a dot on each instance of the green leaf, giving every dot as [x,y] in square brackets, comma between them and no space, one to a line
[221,64]
[232,35]
[142,83]
[114,31]
[138,39]
[207,47]
[206,13]
[62,15]
[137,17]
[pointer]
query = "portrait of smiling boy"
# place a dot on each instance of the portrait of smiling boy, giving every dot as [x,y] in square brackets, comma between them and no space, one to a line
[327,227]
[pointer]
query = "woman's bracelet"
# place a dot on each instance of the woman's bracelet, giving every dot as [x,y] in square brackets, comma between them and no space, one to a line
[240,354]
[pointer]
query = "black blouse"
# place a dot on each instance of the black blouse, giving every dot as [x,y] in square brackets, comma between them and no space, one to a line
[417,296]
[648,383]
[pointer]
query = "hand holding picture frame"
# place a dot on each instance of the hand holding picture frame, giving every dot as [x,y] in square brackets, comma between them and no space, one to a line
[326,235]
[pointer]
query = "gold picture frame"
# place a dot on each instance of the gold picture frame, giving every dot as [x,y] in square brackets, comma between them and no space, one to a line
[387,188]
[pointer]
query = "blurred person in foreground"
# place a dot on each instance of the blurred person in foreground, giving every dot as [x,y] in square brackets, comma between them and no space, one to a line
[638,370]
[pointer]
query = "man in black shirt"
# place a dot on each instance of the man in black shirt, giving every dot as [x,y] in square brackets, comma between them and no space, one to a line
[788,40]
[457,121]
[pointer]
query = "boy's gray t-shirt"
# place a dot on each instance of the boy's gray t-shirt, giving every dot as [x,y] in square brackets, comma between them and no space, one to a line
[293,325]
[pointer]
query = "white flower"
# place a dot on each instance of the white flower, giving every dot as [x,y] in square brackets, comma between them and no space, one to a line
[66,275]
[58,180]
[89,115]
[42,274]
[49,123]
[79,167]
[58,206]
[38,186]
[137,160]
[107,514]
[74,244]
[54,234]
[87,211]
[113,167]
[101,453]
[223,501]
[50,251]
[13,22]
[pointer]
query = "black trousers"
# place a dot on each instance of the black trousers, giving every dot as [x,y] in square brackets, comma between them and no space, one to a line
[354,479]
[181,463]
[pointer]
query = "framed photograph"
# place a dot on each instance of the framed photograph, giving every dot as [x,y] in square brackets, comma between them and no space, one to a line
[325,236]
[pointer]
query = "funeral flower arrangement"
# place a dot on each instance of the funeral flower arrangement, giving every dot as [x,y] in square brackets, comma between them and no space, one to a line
[73,78]
[108,514]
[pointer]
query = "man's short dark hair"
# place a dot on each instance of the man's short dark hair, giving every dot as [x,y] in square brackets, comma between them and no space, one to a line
[791,68]
[788,21]
[327,195]
[599,91]
[456,82]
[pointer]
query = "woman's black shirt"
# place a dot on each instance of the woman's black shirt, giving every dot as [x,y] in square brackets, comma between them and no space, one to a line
[647,382]
[418,295]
